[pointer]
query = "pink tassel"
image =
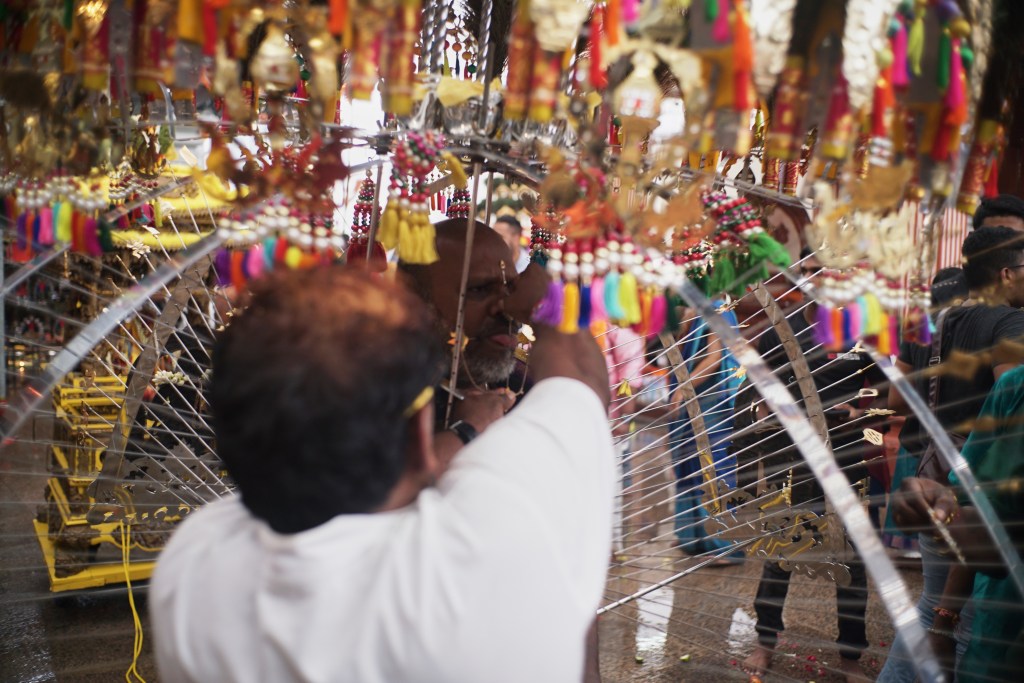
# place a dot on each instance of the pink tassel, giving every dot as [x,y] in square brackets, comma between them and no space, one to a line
[720,32]
[955,93]
[92,237]
[900,76]
[630,11]
[46,226]
[598,313]
[255,262]
[659,314]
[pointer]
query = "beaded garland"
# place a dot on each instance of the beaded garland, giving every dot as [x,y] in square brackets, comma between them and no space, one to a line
[405,224]
[458,207]
[362,218]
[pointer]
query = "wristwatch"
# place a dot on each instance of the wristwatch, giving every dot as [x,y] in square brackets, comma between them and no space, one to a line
[465,431]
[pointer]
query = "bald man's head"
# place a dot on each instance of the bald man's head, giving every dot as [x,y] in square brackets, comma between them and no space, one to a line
[491,333]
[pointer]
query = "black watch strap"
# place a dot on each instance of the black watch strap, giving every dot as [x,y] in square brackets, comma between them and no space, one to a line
[465,431]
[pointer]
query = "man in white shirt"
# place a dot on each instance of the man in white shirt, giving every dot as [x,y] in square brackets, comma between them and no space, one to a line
[341,560]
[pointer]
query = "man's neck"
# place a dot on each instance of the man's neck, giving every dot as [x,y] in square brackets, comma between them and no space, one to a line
[989,297]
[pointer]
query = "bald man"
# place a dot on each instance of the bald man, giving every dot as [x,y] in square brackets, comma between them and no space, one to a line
[498,299]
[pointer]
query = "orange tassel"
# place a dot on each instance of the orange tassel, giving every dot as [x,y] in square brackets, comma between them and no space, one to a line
[611,21]
[237,274]
[836,320]
[338,20]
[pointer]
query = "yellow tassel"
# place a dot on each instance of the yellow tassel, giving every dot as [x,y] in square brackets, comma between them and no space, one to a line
[293,257]
[570,309]
[629,297]
[406,250]
[427,237]
[388,232]
[190,21]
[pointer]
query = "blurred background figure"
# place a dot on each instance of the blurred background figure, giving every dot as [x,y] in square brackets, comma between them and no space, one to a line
[511,230]
[713,374]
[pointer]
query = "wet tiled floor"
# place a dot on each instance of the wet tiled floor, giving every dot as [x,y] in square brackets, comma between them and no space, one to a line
[697,629]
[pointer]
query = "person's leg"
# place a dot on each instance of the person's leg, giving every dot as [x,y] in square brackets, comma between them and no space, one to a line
[934,569]
[689,523]
[768,605]
[724,478]
[851,605]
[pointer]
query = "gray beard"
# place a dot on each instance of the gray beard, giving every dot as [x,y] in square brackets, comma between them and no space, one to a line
[490,371]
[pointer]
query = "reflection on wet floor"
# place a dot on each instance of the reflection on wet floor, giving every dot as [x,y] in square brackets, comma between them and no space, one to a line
[742,635]
[700,627]
[653,612]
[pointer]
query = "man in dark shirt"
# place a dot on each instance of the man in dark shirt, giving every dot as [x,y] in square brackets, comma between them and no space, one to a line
[974,334]
[980,341]
[1005,210]
[838,377]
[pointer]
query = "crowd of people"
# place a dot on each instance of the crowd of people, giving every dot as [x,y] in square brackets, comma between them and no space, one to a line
[388,524]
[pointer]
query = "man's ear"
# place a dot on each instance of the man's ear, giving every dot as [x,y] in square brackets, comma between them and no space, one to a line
[421,456]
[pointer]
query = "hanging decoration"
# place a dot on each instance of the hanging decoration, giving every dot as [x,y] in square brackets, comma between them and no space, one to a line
[871,96]
[405,224]
[362,221]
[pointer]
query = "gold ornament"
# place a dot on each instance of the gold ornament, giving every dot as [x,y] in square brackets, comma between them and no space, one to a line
[274,67]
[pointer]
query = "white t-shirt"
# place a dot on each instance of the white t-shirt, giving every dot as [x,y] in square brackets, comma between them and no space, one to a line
[492,576]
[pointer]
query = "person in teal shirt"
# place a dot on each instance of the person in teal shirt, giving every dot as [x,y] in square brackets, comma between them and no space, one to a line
[995,453]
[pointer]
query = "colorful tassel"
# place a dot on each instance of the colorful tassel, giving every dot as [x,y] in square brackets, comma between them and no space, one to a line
[900,76]
[45,238]
[742,61]
[236,273]
[389,228]
[720,29]
[597,309]
[956,97]
[255,262]
[945,55]
[583,322]
[598,77]
[643,328]
[570,309]
[62,227]
[659,313]
[90,234]
[630,11]
[105,231]
[549,311]
[629,297]
[611,22]
[836,328]
[847,336]
[281,251]
[293,257]
[612,300]
[269,246]
[222,267]
[823,326]
[22,226]
[915,43]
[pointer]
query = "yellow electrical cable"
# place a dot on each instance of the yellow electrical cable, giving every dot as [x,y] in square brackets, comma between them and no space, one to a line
[137,648]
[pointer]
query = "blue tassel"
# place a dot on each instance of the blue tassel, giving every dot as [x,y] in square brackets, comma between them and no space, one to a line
[584,320]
